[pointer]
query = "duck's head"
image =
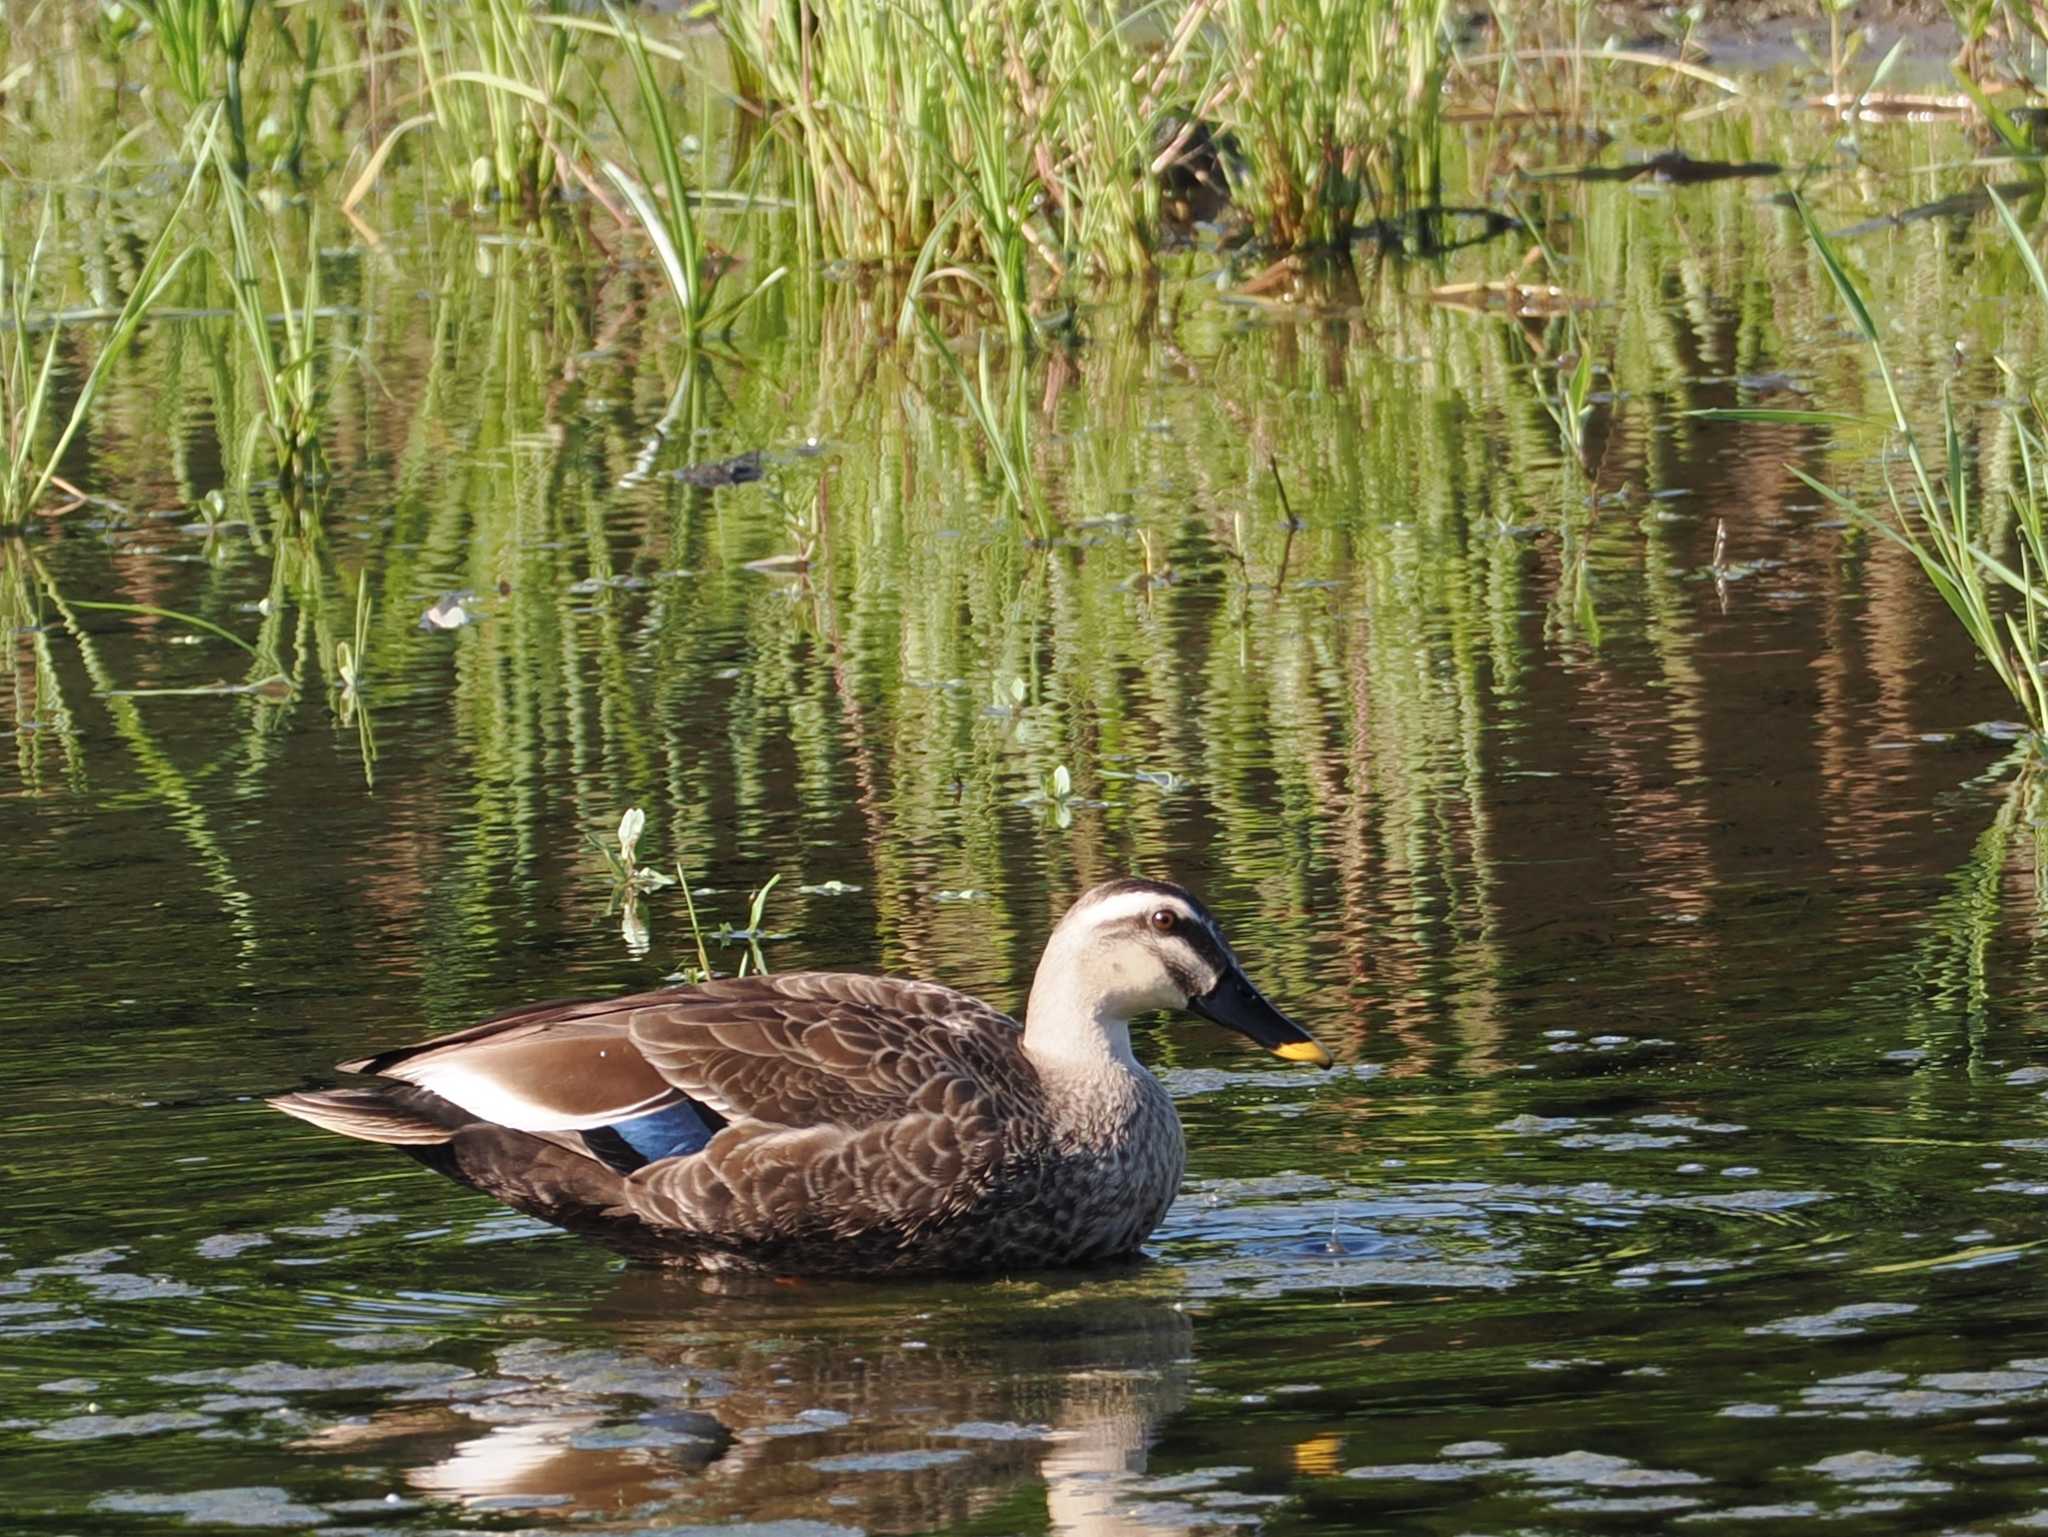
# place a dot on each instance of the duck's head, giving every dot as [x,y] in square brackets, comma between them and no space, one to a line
[1130,947]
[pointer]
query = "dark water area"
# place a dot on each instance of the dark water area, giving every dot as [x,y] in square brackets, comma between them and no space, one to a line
[1673,929]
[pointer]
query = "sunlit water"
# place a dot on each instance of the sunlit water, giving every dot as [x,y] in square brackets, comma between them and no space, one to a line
[1685,1162]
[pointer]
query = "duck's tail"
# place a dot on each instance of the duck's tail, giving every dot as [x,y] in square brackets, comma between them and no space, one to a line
[392,1115]
[555,1176]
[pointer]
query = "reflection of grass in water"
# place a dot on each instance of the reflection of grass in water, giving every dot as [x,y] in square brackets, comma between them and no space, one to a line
[1363,700]
[33,435]
[1942,985]
[169,785]
[1951,957]
[36,710]
[1414,445]
[1939,516]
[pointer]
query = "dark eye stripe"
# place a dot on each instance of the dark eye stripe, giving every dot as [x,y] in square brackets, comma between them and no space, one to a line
[1191,931]
[1204,942]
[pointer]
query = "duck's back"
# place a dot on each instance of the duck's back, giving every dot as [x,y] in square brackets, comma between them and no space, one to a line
[871,1123]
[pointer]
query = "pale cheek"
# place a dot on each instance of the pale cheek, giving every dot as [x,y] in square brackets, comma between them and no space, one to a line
[1142,985]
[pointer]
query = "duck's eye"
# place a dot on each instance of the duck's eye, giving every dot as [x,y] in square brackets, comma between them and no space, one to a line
[1164,919]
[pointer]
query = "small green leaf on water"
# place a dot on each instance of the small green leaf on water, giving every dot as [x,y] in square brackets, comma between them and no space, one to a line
[1062,783]
[1780,416]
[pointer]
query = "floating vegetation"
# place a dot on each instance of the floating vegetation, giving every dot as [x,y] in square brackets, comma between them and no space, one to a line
[628,874]
[1511,297]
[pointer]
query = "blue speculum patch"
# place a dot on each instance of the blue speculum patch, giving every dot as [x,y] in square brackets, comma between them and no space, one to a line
[668,1132]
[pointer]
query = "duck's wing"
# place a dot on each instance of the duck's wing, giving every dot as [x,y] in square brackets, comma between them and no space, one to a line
[824,1048]
[853,1105]
[756,1114]
[549,1067]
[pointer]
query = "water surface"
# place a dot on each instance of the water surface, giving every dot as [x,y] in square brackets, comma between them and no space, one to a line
[1672,929]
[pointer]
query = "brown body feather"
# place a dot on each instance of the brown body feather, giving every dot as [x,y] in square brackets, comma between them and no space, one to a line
[871,1125]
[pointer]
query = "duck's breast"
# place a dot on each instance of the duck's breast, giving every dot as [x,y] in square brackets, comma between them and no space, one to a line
[1114,1170]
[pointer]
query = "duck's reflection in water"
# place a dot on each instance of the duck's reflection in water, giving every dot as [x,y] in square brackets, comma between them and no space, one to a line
[886,1410]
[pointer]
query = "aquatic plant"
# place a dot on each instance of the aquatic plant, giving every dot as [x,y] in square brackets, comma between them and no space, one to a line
[204,45]
[350,659]
[691,266]
[628,874]
[910,129]
[632,880]
[291,378]
[31,435]
[992,141]
[1129,110]
[751,935]
[1938,516]
[2011,33]
[1335,105]
[494,72]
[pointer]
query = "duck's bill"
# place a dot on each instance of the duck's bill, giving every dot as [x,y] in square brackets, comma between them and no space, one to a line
[1236,1004]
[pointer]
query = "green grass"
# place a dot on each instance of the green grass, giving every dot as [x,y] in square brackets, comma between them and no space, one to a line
[286,351]
[1002,158]
[1939,515]
[1013,147]
[37,430]
[494,74]
[664,202]
[1335,105]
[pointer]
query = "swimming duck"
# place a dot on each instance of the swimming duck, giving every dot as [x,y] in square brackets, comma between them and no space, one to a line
[823,1123]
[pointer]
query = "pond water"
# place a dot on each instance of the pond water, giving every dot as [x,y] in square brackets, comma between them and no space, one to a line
[1687,1156]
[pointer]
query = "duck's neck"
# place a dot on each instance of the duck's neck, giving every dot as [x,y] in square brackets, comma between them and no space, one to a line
[1070,1027]
[1098,1096]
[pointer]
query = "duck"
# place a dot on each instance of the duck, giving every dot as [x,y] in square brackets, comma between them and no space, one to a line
[833,1124]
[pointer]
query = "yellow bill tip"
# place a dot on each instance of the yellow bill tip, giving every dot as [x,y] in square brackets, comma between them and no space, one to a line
[1303,1051]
